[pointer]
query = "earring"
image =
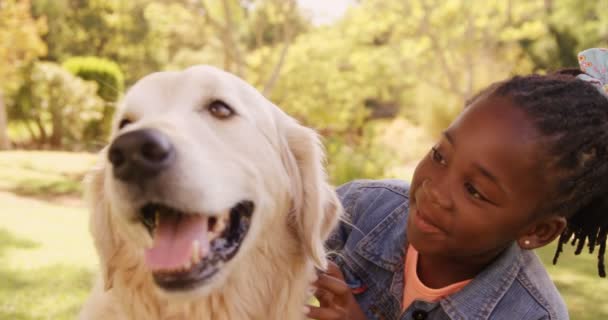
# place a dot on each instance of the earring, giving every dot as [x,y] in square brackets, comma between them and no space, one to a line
[527,242]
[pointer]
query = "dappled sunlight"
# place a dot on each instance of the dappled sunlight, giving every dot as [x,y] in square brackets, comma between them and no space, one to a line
[47,260]
[577,280]
[61,232]
[51,162]
[50,292]
[50,176]
[377,79]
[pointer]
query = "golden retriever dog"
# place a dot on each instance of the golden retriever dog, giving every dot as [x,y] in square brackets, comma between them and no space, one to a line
[209,203]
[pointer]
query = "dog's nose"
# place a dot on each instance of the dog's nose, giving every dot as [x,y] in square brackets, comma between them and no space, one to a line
[140,154]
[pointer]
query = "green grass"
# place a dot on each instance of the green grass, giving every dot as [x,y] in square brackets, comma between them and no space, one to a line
[43,174]
[47,260]
[577,280]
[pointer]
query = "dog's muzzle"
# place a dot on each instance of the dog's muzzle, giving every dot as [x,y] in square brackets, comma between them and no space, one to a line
[189,248]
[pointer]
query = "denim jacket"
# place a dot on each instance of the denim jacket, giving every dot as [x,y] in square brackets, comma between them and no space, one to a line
[369,247]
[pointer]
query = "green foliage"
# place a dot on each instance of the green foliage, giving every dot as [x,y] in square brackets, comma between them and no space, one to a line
[570,26]
[20,44]
[419,59]
[349,161]
[20,41]
[57,106]
[110,85]
[116,30]
[107,74]
[267,21]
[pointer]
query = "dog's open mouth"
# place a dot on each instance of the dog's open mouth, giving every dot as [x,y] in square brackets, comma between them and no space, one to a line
[190,248]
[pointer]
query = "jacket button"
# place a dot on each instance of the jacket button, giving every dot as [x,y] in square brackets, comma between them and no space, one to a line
[419,315]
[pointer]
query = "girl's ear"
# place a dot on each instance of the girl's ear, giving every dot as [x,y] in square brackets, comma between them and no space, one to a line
[542,232]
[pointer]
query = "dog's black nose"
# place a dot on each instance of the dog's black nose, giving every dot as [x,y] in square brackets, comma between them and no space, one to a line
[140,154]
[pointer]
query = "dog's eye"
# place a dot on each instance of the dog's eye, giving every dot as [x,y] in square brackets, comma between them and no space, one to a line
[220,110]
[123,123]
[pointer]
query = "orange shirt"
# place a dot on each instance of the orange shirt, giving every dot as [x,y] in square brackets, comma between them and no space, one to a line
[414,289]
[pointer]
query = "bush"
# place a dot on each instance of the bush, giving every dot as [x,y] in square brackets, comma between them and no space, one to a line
[56,107]
[435,112]
[107,74]
[110,85]
[362,157]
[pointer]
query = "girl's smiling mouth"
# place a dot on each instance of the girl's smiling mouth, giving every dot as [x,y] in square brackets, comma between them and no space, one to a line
[424,223]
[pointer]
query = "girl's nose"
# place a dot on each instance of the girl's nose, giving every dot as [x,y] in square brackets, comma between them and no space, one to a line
[438,193]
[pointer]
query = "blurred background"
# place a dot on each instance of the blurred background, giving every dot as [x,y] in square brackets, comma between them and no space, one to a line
[378,79]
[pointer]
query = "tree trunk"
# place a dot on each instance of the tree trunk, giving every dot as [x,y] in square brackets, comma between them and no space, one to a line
[286,41]
[4,142]
[42,138]
[57,134]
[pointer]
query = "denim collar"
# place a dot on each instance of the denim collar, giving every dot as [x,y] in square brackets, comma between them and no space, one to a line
[385,244]
[478,299]
[385,247]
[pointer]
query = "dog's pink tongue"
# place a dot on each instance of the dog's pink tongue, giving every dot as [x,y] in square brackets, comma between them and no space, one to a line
[173,239]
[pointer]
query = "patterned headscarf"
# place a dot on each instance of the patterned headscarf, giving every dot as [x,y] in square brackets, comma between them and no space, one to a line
[594,63]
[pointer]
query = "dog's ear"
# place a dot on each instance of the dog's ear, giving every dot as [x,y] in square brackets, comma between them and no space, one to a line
[100,224]
[316,207]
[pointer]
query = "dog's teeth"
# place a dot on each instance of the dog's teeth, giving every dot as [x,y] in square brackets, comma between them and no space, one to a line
[221,224]
[196,253]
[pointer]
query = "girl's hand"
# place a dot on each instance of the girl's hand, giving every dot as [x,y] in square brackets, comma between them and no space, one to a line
[336,300]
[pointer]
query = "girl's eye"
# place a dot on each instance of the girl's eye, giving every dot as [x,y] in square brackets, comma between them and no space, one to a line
[473,192]
[220,110]
[437,156]
[123,123]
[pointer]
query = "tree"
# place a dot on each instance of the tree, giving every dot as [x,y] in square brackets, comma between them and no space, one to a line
[145,36]
[20,44]
[266,27]
[116,30]
[4,141]
[418,59]
[571,26]
[440,53]
[57,107]
[110,85]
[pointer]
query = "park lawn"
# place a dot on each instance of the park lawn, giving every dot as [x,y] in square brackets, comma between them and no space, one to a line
[44,174]
[578,281]
[47,260]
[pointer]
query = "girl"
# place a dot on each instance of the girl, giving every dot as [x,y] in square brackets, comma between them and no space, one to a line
[525,162]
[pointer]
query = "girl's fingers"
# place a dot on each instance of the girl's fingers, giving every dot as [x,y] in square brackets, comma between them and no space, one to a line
[336,286]
[325,298]
[324,313]
[334,271]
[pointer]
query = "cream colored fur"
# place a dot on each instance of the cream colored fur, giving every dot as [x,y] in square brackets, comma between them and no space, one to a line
[261,154]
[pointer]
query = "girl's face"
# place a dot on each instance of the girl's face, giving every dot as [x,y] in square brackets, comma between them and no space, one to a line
[478,188]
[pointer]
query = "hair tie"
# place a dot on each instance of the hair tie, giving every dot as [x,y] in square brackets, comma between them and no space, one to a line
[594,64]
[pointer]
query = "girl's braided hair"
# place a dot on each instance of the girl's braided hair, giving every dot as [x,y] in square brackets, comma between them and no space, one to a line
[573,115]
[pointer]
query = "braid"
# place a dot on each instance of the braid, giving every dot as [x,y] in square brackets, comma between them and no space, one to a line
[573,116]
